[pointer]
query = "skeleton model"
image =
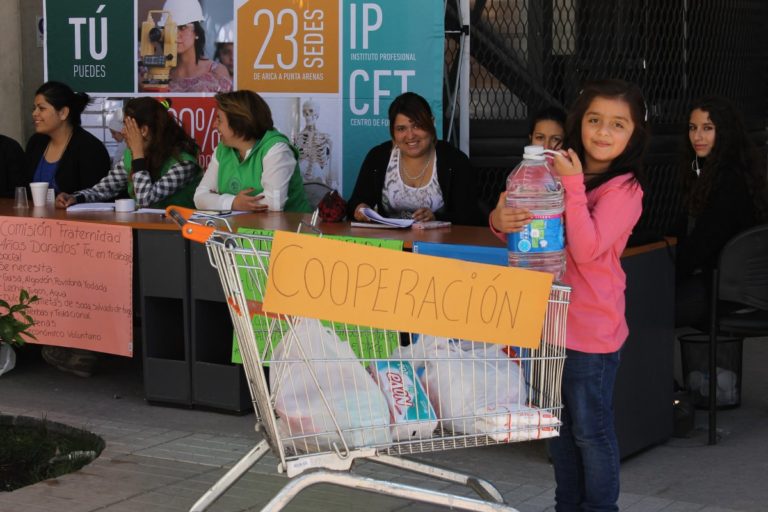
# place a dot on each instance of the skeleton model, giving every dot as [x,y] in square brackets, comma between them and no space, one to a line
[314,148]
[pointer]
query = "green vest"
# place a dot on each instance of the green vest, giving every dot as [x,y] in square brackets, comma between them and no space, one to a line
[182,197]
[235,175]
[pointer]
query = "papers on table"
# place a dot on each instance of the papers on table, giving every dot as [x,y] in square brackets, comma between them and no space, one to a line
[377,221]
[215,214]
[92,207]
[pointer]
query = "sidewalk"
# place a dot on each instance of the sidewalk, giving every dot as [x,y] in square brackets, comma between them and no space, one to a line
[163,458]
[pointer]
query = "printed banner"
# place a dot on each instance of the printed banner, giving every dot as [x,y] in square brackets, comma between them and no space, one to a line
[89,44]
[390,47]
[81,272]
[329,69]
[341,282]
[284,46]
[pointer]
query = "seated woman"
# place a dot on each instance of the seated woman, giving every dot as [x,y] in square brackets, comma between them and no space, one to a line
[725,191]
[158,169]
[61,152]
[414,175]
[254,167]
[12,173]
[548,128]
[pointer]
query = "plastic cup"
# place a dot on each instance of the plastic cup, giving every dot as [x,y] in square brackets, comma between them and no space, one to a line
[21,198]
[39,192]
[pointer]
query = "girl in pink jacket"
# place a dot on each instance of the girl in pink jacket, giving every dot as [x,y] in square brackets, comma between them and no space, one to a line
[606,133]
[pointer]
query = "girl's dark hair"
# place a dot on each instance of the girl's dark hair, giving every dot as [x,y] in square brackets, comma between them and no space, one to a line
[630,161]
[247,113]
[555,114]
[166,138]
[61,95]
[199,41]
[732,152]
[414,107]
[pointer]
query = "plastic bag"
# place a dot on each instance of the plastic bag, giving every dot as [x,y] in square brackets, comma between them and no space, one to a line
[353,398]
[7,358]
[476,388]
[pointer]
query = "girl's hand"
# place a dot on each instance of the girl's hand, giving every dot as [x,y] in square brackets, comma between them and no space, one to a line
[245,202]
[567,163]
[133,138]
[63,200]
[506,219]
[423,215]
[359,215]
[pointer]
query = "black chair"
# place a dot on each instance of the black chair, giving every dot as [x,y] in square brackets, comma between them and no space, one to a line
[741,279]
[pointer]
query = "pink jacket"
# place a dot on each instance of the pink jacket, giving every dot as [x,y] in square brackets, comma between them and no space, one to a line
[597,226]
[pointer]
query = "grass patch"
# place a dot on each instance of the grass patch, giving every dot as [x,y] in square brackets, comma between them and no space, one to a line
[34,450]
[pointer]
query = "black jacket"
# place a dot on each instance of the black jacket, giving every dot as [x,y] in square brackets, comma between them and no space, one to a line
[12,173]
[458,183]
[728,212]
[84,162]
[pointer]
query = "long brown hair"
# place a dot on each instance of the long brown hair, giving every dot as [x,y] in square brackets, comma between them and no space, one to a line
[732,152]
[166,138]
[630,161]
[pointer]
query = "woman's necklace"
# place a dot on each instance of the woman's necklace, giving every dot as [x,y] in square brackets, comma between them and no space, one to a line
[419,175]
[63,148]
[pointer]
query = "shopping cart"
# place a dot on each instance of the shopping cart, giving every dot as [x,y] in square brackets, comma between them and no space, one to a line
[327,394]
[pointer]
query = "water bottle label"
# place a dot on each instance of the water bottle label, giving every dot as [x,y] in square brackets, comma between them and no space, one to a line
[543,234]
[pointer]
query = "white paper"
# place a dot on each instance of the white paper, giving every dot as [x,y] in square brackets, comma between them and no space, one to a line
[92,207]
[157,211]
[397,223]
[373,225]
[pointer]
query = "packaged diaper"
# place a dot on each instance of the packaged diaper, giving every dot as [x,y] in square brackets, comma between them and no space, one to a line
[411,413]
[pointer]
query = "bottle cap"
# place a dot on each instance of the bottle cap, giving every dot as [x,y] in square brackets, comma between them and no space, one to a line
[533,152]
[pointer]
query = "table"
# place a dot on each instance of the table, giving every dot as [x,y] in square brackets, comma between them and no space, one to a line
[187,333]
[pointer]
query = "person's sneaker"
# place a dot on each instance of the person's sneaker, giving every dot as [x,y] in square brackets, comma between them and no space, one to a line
[72,360]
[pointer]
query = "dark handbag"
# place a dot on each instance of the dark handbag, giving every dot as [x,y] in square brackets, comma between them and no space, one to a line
[332,207]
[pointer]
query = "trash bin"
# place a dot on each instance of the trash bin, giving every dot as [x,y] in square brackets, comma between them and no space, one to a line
[694,355]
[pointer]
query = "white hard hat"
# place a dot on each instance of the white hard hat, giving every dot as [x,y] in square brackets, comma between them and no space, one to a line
[184,11]
[116,121]
[226,34]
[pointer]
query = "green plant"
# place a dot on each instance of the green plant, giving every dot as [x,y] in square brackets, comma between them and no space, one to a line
[11,328]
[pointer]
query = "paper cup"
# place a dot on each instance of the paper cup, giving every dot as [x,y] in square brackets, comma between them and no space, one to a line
[125,205]
[39,192]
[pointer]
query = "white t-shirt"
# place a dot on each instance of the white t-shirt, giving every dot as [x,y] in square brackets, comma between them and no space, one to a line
[398,199]
[278,167]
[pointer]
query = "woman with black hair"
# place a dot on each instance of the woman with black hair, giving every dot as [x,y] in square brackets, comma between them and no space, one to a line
[193,72]
[158,169]
[414,175]
[61,152]
[547,128]
[725,191]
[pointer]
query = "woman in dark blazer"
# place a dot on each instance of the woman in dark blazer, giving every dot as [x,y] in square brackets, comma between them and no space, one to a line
[61,152]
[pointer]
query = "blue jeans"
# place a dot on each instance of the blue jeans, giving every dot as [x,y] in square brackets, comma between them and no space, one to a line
[586,455]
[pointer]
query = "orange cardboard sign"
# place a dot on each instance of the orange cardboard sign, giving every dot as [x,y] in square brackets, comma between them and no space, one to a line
[83,275]
[342,282]
[288,46]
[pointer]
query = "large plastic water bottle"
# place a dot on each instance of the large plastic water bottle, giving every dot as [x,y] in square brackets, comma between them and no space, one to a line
[534,186]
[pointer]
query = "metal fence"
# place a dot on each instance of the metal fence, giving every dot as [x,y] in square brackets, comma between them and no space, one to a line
[528,54]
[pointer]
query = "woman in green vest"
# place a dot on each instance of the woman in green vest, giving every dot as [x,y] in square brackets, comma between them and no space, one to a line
[158,169]
[254,168]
